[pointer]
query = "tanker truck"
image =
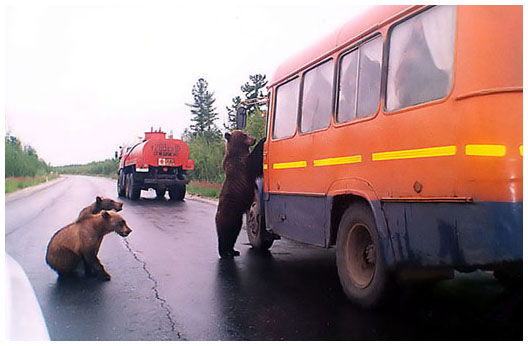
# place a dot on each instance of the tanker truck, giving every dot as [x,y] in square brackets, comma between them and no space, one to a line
[156,162]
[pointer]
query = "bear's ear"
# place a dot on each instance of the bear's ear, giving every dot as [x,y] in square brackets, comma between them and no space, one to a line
[105,215]
[227,136]
[98,200]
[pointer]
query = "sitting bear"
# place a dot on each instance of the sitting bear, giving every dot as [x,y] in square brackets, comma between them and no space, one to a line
[80,241]
[241,170]
[99,205]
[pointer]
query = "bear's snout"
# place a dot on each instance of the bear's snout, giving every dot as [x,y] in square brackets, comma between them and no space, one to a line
[119,206]
[124,232]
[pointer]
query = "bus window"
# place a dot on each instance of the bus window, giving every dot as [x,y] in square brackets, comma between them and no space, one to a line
[421,58]
[317,98]
[285,118]
[359,93]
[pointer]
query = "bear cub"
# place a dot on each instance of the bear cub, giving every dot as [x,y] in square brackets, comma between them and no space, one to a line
[99,205]
[79,242]
[236,196]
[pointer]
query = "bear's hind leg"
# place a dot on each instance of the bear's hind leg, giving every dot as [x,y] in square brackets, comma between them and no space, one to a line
[94,267]
[228,231]
[63,261]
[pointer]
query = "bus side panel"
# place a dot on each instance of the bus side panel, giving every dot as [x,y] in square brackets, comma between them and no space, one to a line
[445,234]
[301,218]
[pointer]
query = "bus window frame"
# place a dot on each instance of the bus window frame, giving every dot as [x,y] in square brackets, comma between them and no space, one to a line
[332,100]
[272,121]
[385,72]
[342,54]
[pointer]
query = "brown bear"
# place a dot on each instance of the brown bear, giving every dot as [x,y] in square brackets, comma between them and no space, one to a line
[80,241]
[241,170]
[99,205]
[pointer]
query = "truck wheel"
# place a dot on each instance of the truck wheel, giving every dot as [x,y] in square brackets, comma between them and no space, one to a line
[258,237]
[177,192]
[360,263]
[121,191]
[133,189]
[160,193]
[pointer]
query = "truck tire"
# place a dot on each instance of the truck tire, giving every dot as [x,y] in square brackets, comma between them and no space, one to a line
[177,192]
[258,237]
[359,257]
[133,191]
[160,193]
[121,190]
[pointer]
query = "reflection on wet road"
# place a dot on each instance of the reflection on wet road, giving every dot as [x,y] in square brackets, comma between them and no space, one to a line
[168,282]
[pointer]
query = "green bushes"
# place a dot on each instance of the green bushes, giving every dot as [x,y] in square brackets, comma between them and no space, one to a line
[22,162]
[207,154]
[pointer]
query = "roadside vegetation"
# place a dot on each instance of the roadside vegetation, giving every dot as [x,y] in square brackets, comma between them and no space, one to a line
[23,167]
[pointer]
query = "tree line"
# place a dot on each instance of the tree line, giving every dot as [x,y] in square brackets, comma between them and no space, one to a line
[22,161]
[107,167]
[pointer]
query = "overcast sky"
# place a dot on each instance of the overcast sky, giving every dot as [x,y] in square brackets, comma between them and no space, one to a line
[84,77]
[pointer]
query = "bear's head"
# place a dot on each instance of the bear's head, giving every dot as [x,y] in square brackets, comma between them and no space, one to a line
[238,141]
[102,203]
[113,222]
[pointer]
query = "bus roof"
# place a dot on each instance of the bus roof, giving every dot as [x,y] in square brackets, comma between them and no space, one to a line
[362,25]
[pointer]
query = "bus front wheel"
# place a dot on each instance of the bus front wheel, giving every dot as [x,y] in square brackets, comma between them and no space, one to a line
[360,263]
[258,237]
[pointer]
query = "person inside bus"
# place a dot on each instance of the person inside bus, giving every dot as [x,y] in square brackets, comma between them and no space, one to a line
[317,106]
[417,78]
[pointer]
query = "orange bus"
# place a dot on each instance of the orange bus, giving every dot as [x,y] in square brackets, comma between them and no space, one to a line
[398,140]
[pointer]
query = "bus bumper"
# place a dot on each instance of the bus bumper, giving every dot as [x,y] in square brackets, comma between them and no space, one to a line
[480,235]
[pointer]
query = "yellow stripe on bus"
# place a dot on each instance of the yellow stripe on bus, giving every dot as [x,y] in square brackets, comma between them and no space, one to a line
[265,166]
[415,153]
[283,165]
[485,150]
[337,161]
[521,150]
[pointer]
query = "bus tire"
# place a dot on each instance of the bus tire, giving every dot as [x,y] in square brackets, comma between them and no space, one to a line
[359,257]
[258,237]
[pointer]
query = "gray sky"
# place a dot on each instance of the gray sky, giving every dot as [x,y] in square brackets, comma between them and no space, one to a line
[84,77]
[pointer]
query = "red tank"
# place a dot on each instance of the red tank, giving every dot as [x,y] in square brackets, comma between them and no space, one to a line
[158,163]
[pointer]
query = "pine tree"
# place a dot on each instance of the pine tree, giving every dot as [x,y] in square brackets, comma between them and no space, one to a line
[204,111]
[253,88]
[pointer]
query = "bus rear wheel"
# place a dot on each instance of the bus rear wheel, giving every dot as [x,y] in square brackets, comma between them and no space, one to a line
[360,263]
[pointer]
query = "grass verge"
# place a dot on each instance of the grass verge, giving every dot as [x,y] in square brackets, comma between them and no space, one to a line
[13,184]
[205,189]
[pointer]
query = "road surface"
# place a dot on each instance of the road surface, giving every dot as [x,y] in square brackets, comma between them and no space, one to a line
[168,282]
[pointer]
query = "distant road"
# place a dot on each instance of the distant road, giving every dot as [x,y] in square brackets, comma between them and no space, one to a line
[168,282]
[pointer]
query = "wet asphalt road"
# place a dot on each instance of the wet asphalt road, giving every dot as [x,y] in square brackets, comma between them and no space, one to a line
[168,282]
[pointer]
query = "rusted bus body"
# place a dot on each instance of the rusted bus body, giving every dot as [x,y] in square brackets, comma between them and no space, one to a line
[443,177]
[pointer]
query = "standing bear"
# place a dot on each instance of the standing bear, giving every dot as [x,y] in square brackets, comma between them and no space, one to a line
[80,241]
[241,170]
[99,205]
